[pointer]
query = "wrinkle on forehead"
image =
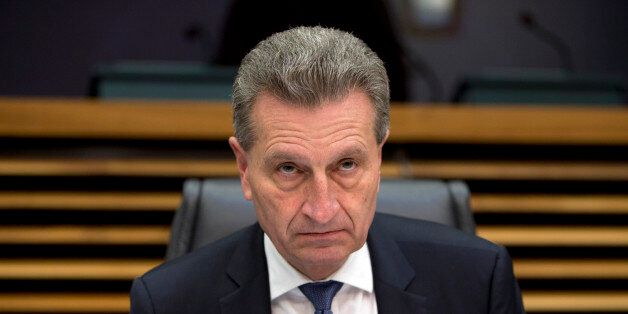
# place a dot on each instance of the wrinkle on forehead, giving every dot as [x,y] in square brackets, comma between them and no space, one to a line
[309,139]
[278,120]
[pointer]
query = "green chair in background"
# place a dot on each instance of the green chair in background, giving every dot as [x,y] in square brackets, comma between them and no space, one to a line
[541,87]
[162,80]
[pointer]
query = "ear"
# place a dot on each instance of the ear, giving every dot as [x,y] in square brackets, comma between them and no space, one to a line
[381,147]
[379,156]
[243,166]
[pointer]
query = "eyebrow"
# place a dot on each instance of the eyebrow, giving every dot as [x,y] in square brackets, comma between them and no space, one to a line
[352,151]
[277,156]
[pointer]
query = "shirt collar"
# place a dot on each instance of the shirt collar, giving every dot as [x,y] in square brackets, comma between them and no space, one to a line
[356,271]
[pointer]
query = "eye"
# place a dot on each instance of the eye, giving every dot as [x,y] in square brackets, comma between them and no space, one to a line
[347,165]
[287,169]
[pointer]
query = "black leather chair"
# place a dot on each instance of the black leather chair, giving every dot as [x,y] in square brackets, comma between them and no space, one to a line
[214,208]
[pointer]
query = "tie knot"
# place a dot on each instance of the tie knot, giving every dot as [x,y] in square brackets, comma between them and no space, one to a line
[321,294]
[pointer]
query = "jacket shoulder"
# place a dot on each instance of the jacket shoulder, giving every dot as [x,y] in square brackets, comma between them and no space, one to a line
[456,271]
[409,230]
[210,256]
[196,280]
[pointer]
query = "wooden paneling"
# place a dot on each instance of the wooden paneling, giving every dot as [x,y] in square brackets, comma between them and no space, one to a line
[91,228]
[556,235]
[501,124]
[118,167]
[85,235]
[64,302]
[46,200]
[33,117]
[518,170]
[75,269]
[549,204]
[576,301]
[571,268]
[116,119]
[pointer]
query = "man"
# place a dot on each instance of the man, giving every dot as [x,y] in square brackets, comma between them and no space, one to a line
[311,115]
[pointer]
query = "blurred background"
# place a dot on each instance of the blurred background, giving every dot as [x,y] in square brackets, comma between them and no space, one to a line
[430,46]
[108,107]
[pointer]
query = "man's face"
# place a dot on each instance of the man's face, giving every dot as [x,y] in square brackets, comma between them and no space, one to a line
[313,177]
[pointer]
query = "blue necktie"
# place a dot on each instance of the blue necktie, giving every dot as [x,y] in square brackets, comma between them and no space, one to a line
[321,294]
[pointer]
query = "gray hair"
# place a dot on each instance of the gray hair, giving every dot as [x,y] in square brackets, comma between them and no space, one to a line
[307,66]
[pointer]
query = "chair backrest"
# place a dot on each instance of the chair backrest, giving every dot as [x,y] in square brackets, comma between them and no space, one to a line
[214,208]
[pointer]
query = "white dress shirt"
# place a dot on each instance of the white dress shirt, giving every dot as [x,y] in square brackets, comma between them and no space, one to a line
[355,296]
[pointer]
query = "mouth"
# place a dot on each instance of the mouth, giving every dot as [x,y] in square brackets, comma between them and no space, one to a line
[327,235]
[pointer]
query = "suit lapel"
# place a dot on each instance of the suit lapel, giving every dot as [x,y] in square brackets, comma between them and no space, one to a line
[392,274]
[247,268]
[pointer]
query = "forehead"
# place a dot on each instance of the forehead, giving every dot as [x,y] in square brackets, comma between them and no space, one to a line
[332,120]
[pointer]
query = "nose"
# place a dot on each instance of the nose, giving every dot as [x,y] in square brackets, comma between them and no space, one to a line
[321,205]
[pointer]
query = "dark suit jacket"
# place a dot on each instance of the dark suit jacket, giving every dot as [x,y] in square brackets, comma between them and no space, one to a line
[418,267]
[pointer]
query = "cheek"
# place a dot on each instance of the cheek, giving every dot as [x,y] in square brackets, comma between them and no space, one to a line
[360,204]
[275,208]
[287,183]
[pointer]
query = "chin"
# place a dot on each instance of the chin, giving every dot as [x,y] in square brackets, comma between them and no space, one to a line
[326,256]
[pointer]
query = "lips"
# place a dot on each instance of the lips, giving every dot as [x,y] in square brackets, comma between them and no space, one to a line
[322,237]
[321,233]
